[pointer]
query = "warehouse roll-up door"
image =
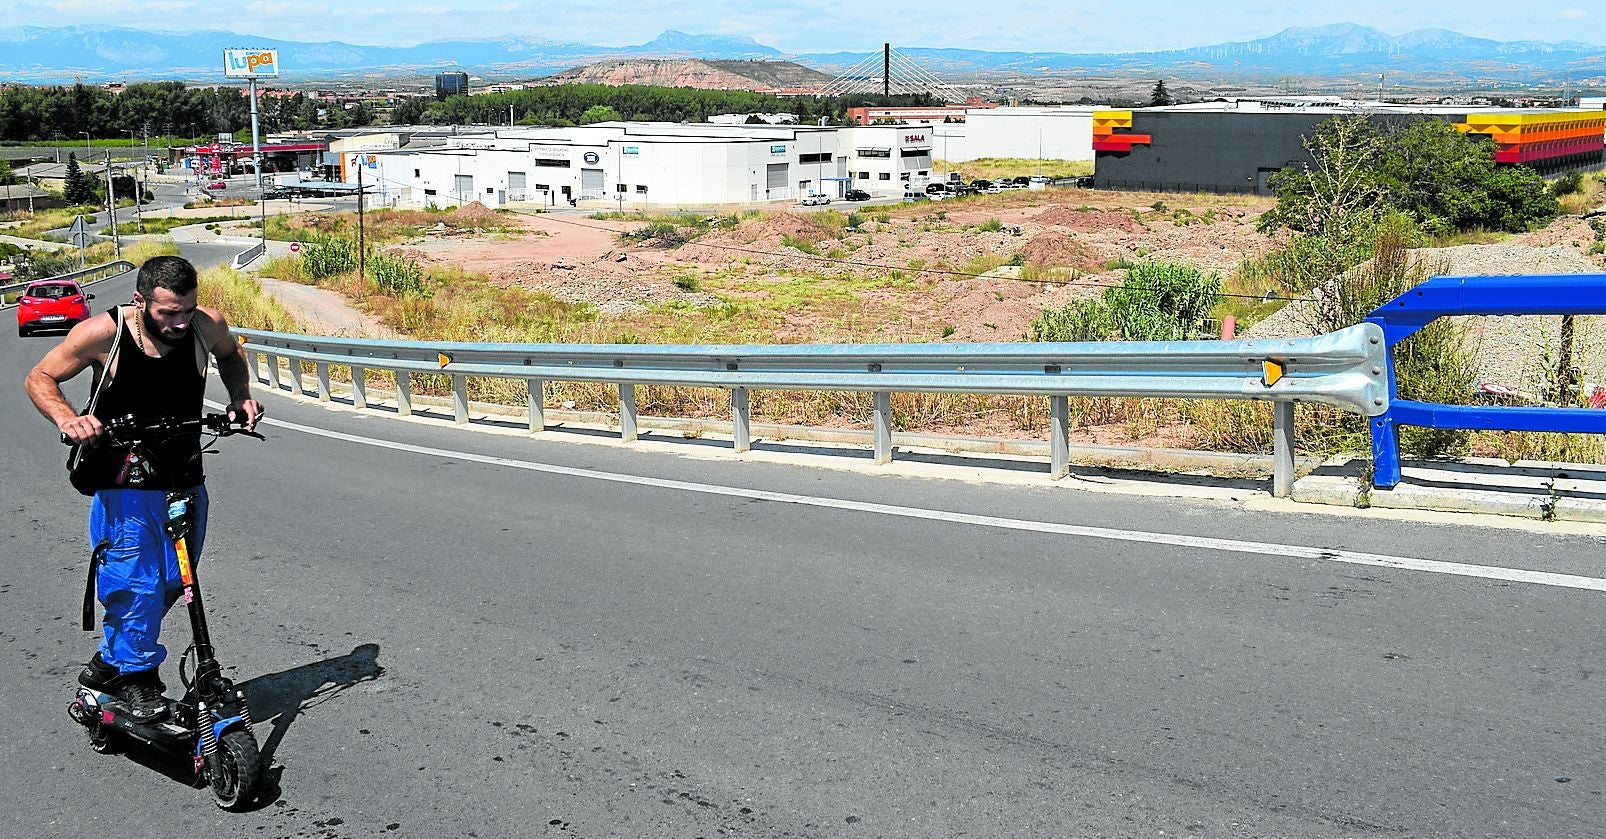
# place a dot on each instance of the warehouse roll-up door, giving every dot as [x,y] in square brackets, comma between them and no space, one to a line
[591,183]
[777,181]
[463,187]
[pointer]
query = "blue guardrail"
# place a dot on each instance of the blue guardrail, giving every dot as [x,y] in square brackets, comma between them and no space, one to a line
[1402,317]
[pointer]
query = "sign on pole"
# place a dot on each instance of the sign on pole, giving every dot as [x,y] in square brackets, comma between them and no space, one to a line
[243,64]
[79,233]
[295,247]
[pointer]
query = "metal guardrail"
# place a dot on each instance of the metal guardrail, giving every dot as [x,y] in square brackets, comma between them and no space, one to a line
[1345,369]
[82,277]
[245,257]
[1404,316]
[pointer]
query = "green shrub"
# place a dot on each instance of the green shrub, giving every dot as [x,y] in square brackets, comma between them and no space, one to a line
[396,276]
[1567,184]
[325,256]
[1156,302]
[991,225]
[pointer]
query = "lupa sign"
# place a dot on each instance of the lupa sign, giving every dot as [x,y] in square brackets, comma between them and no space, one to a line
[244,63]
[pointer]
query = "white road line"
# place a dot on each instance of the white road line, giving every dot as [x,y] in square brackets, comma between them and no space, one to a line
[1488,572]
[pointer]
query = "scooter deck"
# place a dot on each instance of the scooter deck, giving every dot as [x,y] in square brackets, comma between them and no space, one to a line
[166,734]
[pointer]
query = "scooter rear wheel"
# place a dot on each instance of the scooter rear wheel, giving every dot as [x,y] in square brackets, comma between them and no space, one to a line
[233,774]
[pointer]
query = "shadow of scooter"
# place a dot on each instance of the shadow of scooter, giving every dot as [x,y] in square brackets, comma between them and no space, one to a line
[278,698]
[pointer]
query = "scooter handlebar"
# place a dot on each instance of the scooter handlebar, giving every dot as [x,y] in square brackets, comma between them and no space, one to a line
[131,427]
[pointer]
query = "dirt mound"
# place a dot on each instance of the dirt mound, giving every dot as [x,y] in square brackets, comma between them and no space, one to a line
[1052,249]
[1087,221]
[791,225]
[473,215]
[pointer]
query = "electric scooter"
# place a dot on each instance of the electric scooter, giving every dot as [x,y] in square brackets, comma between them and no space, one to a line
[210,723]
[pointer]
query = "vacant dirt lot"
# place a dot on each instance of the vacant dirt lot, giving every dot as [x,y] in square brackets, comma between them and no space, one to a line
[953,270]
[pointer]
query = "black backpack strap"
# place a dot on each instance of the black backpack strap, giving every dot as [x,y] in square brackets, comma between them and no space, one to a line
[96,557]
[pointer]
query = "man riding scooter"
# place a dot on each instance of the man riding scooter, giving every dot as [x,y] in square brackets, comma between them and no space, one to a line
[150,360]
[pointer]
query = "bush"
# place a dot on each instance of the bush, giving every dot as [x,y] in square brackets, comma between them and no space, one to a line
[1568,184]
[1156,302]
[992,225]
[326,256]
[396,276]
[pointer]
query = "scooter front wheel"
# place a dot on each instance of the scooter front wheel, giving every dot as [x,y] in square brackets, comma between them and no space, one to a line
[233,774]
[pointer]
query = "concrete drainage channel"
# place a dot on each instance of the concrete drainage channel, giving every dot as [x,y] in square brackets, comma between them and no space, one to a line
[1530,490]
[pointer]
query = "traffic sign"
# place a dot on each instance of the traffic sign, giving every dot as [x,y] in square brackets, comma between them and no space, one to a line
[295,247]
[79,232]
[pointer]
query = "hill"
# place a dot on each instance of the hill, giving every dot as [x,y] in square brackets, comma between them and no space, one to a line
[705,74]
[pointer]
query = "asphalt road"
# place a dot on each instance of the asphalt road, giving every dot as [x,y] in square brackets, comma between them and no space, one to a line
[438,647]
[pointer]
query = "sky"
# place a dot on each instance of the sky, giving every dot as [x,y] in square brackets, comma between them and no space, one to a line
[813,26]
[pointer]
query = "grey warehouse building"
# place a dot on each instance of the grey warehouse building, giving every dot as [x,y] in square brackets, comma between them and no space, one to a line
[1235,146]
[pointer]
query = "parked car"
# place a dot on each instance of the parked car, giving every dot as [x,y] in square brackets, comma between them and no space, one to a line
[856,195]
[814,199]
[981,185]
[935,189]
[912,195]
[215,185]
[51,304]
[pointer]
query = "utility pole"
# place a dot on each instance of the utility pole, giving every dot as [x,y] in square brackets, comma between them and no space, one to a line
[111,206]
[139,194]
[362,243]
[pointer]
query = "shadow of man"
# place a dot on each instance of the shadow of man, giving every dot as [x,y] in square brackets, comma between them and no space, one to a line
[278,698]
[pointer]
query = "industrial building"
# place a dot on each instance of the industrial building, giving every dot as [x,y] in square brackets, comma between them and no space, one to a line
[1236,145]
[1042,133]
[643,163]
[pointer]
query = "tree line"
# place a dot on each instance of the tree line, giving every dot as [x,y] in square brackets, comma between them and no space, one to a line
[580,104]
[63,114]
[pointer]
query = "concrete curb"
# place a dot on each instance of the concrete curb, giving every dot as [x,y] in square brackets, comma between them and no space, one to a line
[1525,489]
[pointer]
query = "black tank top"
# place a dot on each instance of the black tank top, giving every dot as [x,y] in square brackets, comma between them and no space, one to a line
[154,388]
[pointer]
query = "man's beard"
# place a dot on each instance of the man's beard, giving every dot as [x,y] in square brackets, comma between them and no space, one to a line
[156,331]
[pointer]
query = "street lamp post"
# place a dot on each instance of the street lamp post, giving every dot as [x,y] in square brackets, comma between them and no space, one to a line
[86,143]
[139,215]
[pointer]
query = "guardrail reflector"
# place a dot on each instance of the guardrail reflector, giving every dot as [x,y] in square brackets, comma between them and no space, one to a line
[1271,371]
[241,337]
[444,359]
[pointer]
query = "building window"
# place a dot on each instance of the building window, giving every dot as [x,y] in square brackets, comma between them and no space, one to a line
[873,152]
[822,157]
[416,175]
[915,153]
[552,162]
[864,176]
[885,176]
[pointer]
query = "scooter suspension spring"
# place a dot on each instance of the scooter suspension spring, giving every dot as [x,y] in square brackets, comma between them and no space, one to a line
[245,710]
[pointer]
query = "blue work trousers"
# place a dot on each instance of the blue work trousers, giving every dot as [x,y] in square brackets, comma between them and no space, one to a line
[138,578]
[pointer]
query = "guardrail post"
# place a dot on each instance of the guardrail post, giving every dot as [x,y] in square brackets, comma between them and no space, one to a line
[460,399]
[295,376]
[273,371]
[537,390]
[627,412]
[323,380]
[1059,439]
[359,387]
[741,429]
[404,393]
[883,426]
[251,365]
[1282,442]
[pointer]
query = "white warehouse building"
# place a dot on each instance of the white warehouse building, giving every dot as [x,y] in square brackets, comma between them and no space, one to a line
[1048,133]
[638,163]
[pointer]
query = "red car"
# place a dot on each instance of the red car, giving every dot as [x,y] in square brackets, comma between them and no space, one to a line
[51,304]
[217,185]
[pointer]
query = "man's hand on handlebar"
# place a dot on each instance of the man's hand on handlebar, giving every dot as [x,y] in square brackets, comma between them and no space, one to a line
[81,429]
[245,412]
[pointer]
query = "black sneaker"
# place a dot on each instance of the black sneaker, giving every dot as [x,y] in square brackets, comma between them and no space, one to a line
[98,675]
[142,693]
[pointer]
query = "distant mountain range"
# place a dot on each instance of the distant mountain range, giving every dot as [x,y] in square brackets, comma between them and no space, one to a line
[1429,57]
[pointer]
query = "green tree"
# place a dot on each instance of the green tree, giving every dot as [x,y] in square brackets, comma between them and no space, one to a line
[78,189]
[1160,95]
[599,113]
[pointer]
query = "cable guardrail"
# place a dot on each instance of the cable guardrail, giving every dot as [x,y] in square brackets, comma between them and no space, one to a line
[83,277]
[1345,369]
